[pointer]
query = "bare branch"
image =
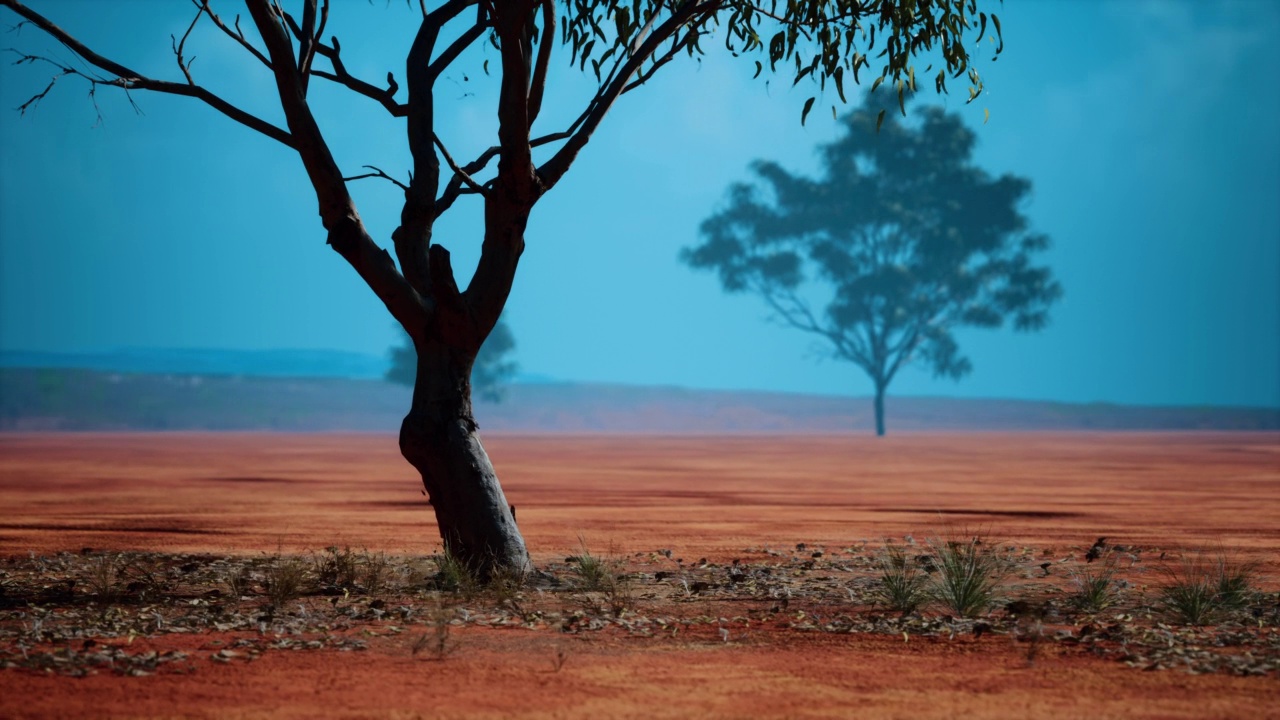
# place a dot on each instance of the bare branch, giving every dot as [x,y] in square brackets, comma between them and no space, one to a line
[130,80]
[306,42]
[378,173]
[178,47]
[547,38]
[458,172]
[340,75]
[347,233]
[451,53]
[413,237]
[455,186]
[236,35]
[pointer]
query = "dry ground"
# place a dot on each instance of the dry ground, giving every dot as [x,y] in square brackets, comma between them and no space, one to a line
[795,635]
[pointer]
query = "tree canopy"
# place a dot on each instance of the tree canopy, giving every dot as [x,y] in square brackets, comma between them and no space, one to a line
[907,237]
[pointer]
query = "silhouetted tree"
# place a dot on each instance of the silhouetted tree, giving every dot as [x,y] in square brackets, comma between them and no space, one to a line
[625,43]
[902,237]
[493,367]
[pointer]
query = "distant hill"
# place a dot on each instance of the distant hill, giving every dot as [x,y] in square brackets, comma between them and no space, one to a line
[196,361]
[72,399]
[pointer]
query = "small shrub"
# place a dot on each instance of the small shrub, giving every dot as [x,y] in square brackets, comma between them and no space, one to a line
[284,580]
[1236,583]
[1095,588]
[375,571]
[237,581]
[903,585]
[969,574]
[604,575]
[336,567]
[594,572]
[104,577]
[505,585]
[1198,591]
[453,575]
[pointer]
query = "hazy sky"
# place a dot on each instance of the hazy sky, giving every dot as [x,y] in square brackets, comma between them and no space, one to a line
[1149,130]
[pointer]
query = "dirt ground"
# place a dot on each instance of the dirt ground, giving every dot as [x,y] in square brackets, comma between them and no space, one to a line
[709,501]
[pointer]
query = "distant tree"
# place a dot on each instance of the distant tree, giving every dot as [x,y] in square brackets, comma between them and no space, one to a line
[493,367]
[903,238]
[625,42]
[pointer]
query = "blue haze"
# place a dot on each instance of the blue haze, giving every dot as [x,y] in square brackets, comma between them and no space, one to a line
[1149,130]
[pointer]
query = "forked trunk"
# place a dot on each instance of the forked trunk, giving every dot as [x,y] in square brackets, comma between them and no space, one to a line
[438,437]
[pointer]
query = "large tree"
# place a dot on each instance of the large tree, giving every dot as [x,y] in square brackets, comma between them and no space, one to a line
[902,238]
[830,42]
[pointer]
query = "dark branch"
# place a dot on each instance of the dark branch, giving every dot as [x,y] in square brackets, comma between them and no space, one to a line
[546,38]
[129,80]
[378,173]
[237,35]
[340,75]
[552,170]
[451,53]
[455,186]
[179,46]
[347,234]
[457,171]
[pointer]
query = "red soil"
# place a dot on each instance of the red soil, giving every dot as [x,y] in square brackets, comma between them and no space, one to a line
[701,498]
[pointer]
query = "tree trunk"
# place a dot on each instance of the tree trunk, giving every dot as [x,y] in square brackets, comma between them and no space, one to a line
[879,410]
[438,437]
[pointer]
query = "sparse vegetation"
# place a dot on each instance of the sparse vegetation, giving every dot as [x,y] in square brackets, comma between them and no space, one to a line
[1236,582]
[903,584]
[1094,587]
[337,568]
[603,576]
[780,592]
[593,572]
[453,575]
[970,570]
[103,578]
[1198,590]
[284,580]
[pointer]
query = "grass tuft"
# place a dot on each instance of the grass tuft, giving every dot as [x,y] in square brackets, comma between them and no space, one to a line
[970,572]
[1095,587]
[453,575]
[285,577]
[1198,591]
[903,585]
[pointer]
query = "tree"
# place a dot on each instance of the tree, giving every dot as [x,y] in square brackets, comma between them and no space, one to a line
[492,369]
[909,239]
[625,43]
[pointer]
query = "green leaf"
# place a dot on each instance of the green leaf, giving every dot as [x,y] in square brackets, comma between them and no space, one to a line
[839,78]
[623,20]
[986,115]
[879,120]
[759,69]
[808,105]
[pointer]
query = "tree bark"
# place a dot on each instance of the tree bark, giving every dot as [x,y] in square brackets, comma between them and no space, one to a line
[879,410]
[438,437]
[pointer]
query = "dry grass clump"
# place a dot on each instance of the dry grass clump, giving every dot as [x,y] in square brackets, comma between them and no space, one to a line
[903,586]
[1199,591]
[1096,588]
[603,575]
[284,580]
[970,573]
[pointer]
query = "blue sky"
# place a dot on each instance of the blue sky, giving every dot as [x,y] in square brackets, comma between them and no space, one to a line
[1149,131]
